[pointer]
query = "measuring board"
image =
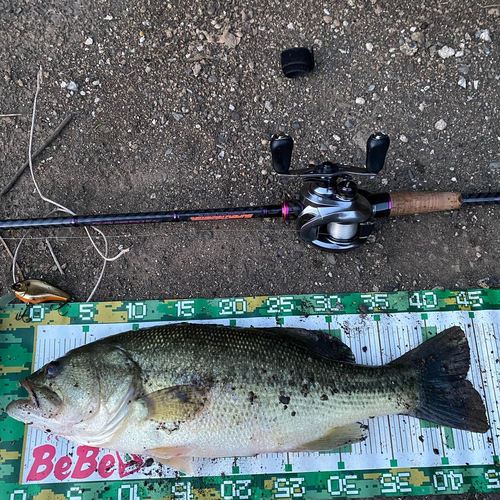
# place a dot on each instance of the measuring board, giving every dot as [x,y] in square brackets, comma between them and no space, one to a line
[402,455]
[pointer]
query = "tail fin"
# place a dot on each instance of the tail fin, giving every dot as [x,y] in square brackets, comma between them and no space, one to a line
[446,397]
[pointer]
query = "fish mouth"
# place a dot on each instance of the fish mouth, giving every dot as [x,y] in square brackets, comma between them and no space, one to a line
[32,397]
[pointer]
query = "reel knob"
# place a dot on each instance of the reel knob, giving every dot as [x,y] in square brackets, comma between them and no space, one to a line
[376,151]
[281,152]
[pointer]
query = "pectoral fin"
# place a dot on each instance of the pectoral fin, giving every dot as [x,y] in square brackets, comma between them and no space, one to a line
[337,437]
[174,404]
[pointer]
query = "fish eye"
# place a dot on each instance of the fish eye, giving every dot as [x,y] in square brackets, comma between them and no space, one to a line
[52,369]
[16,286]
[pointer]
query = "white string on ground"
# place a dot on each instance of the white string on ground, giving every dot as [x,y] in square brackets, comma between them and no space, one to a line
[60,207]
[51,250]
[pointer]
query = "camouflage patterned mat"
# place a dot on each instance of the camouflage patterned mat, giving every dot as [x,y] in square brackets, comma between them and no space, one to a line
[403,456]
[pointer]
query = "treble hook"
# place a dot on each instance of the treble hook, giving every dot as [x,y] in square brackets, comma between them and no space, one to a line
[58,307]
[22,316]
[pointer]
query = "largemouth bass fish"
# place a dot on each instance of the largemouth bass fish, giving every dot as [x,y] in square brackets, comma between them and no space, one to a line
[199,390]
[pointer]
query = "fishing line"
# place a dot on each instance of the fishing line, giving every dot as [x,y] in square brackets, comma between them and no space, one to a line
[163,234]
[60,207]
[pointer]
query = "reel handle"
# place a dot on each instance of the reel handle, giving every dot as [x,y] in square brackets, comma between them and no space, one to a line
[281,152]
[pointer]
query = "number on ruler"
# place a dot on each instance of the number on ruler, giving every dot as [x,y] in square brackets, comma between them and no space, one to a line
[470,298]
[375,301]
[77,491]
[86,312]
[337,485]
[37,313]
[232,306]
[443,481]
[280,305]
[393,483]
[132,492]
[289,488]
[425,300]
[185,308]
[136,310]
[236,490]
[326,303]
[182,491]
[475,298]
[491,476]
[462,299]
[15,495]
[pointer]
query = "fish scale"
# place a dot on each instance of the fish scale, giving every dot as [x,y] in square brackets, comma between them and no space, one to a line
[235,362]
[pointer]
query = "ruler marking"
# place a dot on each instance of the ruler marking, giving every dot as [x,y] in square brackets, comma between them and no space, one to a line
[387,417]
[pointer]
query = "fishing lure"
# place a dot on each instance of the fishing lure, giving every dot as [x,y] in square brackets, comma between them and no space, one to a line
[35,292]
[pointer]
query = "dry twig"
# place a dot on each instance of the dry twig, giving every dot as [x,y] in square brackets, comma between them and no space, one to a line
[47,143]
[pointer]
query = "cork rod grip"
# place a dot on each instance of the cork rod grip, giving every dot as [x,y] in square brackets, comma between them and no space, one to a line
[422,202]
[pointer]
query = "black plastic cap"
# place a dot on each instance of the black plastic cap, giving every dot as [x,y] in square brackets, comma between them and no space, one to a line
[297,62]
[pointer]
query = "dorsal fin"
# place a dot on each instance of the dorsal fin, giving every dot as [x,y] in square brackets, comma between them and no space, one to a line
[317,342]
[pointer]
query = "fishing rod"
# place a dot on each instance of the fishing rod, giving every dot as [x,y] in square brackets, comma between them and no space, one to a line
[331,212]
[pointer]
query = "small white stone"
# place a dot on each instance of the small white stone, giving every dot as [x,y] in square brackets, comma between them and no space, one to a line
[64,84]
[336,137]
[326,11]
[89,41]
[421,106]
[462,82]
[72,86]
[108,18]
[290,26]
[460,53]
[453,179]
[476,84]
[446,52]
[484,35]
[440,125]
[231,107]
[403,138]
[196,69]
[369,47]
[268,105]
[360,100]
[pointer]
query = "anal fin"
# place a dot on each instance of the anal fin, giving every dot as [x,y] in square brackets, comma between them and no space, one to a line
[182,464]
[175,457]
[337,437]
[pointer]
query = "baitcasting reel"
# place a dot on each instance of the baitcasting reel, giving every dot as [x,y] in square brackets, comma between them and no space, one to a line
[335,215]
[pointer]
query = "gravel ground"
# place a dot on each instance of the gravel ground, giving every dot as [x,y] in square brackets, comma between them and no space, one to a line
[176,103]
